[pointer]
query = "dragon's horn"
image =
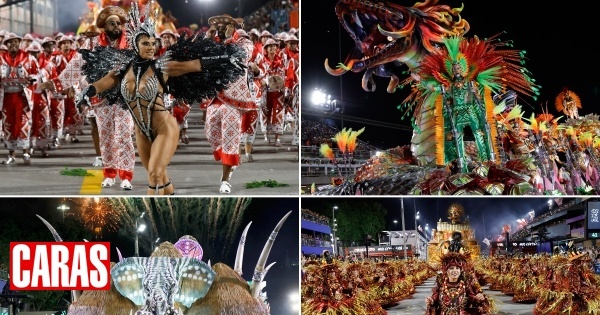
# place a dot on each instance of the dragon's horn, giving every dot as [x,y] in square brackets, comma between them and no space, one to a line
[262,260]
[336,72]
[395,34]
[52,230]
[239,257]
[119,253]
[209,264]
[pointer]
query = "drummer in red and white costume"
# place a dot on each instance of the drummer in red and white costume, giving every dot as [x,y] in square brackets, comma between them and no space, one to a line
[250,118]
[168,38]
[40,113]
[73,121]
[224,114]
[290,51]
[115,123]
[262,39]
[273,112]
[18,71]
[57,106]
[291,90]
[26,41]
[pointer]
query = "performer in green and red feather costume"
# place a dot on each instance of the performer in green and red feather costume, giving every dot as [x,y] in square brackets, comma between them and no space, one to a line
[455,84]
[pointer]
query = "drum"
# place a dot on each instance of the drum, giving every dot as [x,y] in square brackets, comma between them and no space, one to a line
[275,83]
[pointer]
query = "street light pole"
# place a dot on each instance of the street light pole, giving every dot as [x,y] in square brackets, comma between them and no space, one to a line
[63,208]
[426,239]
[334,228]
[417,230]
[403,226]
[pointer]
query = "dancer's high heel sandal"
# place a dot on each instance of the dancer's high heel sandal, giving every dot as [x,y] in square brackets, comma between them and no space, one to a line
[157,188]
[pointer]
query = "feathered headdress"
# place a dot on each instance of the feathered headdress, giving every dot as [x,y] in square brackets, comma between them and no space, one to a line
[453,259]
[138,24]
[565,98]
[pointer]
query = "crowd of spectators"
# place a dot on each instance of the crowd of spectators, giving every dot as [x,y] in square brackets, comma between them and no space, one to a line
[524,232]
[273,16]
[314,240]
[314,217]
[315,133]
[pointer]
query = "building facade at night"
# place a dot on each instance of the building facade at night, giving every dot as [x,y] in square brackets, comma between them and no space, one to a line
[21,17]
[572,221]
[316,235]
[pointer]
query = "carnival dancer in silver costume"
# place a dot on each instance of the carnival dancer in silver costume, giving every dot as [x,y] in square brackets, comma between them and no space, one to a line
[192,69]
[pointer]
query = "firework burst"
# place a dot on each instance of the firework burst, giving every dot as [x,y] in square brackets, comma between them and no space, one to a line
[97,214]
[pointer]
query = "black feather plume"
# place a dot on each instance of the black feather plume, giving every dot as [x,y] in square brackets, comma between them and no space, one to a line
[100,61]
[216,74]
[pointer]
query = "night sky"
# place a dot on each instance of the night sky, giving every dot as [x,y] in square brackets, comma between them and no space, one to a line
[486,215]
[282,279]
[558,40]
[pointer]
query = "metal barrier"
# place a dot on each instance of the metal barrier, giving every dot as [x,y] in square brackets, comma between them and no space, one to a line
[315,242]
[312,170]
[313,152]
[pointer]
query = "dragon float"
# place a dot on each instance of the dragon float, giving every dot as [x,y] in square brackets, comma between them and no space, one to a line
[457,82]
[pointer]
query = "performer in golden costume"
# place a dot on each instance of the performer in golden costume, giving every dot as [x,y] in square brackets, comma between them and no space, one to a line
[457,291]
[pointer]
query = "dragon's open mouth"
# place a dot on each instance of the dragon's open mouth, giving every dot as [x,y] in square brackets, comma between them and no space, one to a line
[365,21]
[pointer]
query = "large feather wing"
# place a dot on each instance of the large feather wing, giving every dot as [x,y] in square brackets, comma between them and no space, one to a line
[100,61]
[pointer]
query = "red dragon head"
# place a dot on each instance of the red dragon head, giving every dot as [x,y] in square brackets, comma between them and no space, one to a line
[387,35]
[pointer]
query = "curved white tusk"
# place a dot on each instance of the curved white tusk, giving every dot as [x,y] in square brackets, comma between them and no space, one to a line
[74,293]
[52,230]
[267,268]
[119,253]
[239,257]
[262,260]
[263,284]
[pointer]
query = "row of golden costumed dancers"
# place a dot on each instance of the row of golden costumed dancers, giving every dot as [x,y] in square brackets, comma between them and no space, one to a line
[563,283]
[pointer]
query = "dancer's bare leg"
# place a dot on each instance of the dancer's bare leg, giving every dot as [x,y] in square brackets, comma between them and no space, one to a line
[95,135]
[226,172]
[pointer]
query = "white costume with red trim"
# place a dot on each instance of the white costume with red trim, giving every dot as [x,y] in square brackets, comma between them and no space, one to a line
[273,112]
[224,114]
[292,91]
[115,124]
[73,119]
[57,104]
[40,116]
[16,97]
[250,118]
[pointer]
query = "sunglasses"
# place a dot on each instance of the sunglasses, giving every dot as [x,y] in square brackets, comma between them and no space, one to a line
[114,23]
